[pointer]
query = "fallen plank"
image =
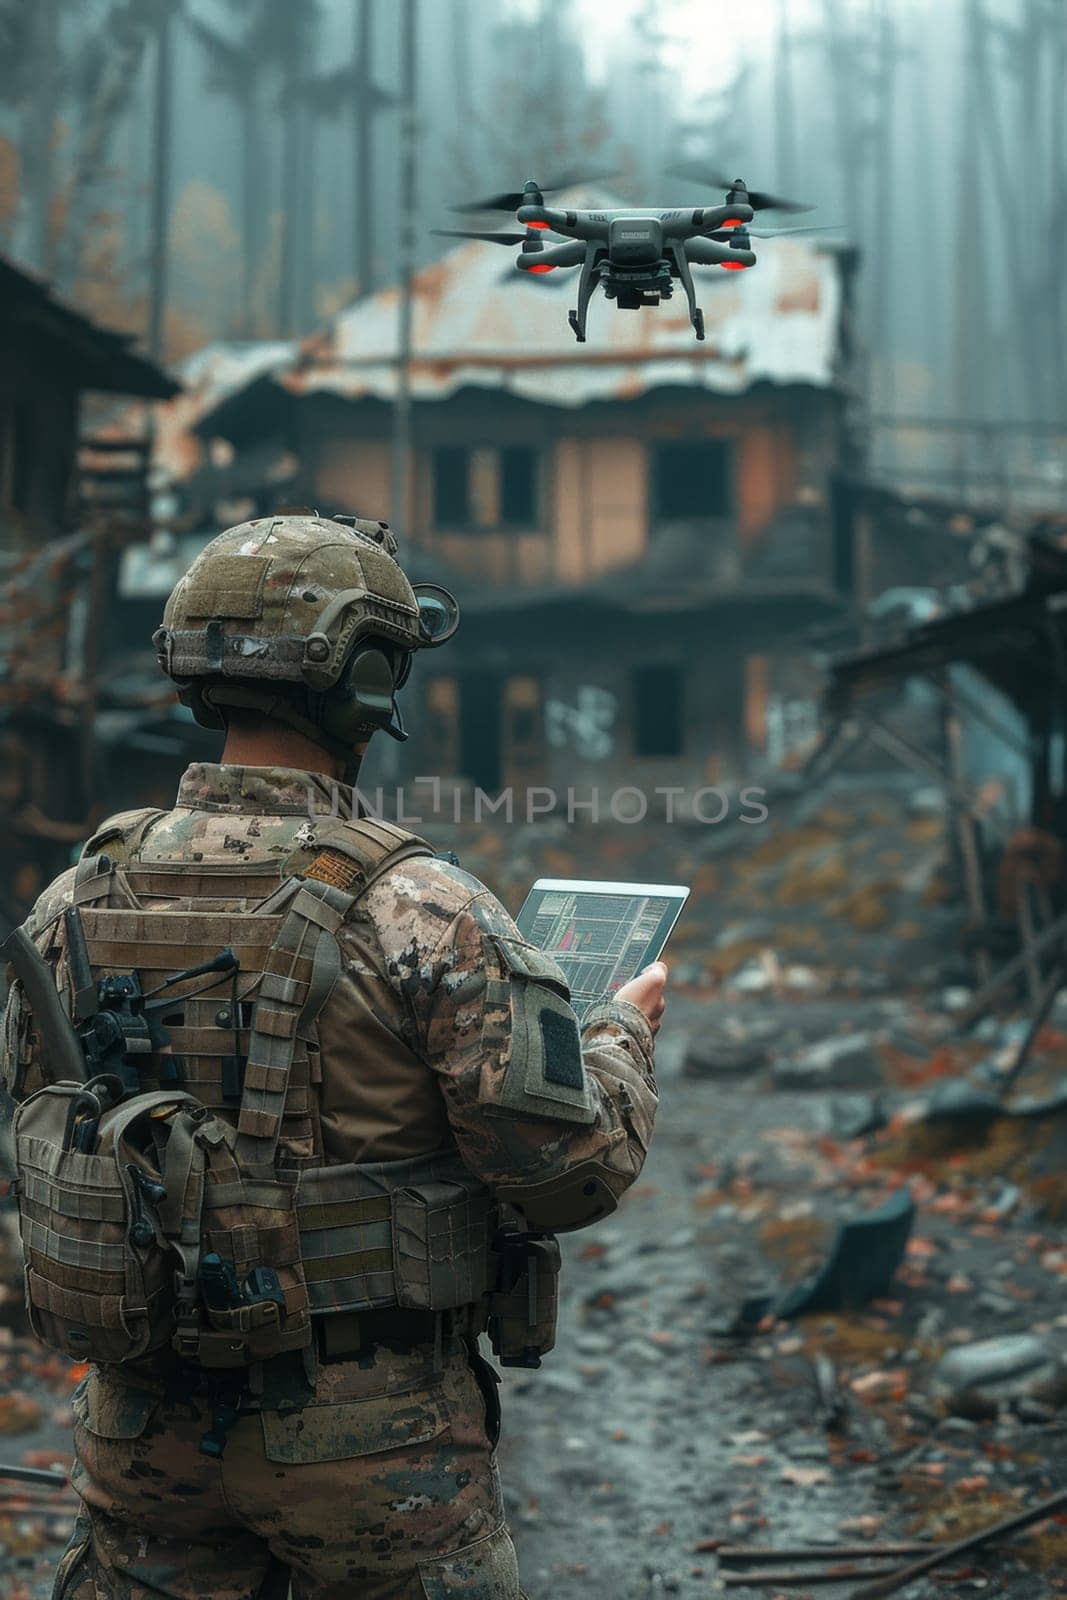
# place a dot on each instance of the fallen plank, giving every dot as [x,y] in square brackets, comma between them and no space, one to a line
[743,1554]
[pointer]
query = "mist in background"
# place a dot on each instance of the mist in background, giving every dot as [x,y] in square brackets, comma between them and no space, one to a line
[202,169]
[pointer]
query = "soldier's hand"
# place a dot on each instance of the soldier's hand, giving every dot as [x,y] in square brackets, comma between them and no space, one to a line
[646,992]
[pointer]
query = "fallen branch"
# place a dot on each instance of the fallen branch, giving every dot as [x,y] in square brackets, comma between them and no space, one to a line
[891,1582]
[793,1578]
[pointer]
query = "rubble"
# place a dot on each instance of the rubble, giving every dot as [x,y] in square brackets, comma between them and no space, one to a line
[845,1063]
[979,1381]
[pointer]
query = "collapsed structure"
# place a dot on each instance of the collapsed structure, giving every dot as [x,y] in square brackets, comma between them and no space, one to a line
[67,506]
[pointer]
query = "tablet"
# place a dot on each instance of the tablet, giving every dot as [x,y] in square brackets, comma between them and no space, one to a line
[602,934]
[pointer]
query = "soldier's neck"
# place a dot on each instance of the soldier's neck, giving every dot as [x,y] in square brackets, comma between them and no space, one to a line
[277,746]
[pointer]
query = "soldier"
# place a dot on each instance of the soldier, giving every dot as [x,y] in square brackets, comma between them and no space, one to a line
[363,1121]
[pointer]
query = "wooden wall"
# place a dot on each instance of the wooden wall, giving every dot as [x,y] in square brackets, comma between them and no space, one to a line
[595,501]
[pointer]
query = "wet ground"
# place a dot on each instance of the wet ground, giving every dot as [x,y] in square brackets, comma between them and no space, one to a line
[646,1441]
[650,1439]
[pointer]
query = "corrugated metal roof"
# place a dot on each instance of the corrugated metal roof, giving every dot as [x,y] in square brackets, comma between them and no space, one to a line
[479,322]
[209,376]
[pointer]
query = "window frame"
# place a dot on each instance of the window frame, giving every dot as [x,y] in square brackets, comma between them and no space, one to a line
[468,525]
[727,444]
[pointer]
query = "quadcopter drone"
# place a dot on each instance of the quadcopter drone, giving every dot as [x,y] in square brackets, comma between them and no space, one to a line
[634,255]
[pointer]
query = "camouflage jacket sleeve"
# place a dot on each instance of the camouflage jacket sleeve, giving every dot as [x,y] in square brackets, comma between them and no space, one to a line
[555,1122]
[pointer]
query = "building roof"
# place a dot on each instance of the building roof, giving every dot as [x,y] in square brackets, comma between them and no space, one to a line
[478,323]
[97,358]
[209,377]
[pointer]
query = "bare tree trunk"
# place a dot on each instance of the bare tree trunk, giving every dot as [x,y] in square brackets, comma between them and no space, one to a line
[884,216]
[251,201]
[402,511]
[463,99]
[160,191]
[363,114]
[130,26]
[292,130]
[972,305]
[33,235]
[784,125]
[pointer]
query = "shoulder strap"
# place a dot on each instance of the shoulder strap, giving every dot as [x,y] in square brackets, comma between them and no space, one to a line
[123,834]
[301,968]
[353,853]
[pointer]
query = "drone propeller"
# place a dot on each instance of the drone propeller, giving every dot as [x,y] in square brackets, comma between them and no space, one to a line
[512,199]
[489,238]
[728,234]
[737,191]
[542,280]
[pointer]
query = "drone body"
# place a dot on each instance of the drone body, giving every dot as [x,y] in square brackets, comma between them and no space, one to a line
[635,256]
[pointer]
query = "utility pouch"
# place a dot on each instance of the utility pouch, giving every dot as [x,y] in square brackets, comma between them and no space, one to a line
[244,1297]
[99,1269]
[524,1304]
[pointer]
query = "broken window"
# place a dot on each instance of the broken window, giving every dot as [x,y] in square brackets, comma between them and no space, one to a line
[657,710]
[691,478]
[451,486]
[485,487]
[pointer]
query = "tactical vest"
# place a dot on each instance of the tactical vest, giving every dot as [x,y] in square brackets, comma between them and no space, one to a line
[180,1195]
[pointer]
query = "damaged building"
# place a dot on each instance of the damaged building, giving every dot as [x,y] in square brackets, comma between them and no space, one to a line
[973,698]
[641,529]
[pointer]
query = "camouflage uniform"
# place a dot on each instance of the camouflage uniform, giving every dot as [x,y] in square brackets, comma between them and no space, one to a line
[379,1478]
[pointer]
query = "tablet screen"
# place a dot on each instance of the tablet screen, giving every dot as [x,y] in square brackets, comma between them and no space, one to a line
[602,934]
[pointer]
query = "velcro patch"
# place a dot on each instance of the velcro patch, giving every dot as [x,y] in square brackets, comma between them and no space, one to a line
[562,1046]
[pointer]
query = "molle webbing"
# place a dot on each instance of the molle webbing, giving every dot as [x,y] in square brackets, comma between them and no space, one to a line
[394,1233]
[301,968]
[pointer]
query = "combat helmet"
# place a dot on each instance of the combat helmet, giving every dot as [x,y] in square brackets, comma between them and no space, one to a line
[308,619]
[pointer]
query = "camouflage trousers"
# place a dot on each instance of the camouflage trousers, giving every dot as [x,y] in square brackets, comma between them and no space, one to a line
[384,1486]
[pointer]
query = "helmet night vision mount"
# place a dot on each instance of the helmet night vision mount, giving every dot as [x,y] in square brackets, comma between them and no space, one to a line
[634,255]
[309,620]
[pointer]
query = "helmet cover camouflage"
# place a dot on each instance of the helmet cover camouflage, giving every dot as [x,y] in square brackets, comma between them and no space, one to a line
[290,600]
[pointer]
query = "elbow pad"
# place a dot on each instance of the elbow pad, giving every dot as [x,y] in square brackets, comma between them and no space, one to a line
[573,1199]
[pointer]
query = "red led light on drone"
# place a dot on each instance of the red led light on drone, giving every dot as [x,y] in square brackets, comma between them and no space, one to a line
[537,224]
[734,266]
[732,222]
[542,266]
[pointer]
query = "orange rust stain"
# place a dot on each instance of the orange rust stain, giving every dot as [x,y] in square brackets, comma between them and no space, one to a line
[800,296]
[432,282]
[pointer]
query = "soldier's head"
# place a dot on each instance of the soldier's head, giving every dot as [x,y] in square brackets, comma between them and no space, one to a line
[300,622]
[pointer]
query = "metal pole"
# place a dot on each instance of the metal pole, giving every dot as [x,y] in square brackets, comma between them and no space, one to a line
[402,460]
[161,131]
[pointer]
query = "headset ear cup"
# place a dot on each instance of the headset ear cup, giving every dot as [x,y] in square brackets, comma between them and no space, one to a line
[362,698]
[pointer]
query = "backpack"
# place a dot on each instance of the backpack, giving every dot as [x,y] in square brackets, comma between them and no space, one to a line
[154,1204]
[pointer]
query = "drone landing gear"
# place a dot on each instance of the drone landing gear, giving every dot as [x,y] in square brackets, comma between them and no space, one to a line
[586,284]
[696,316]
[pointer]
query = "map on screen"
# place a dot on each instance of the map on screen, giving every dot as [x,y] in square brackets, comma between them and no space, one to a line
[602,934]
